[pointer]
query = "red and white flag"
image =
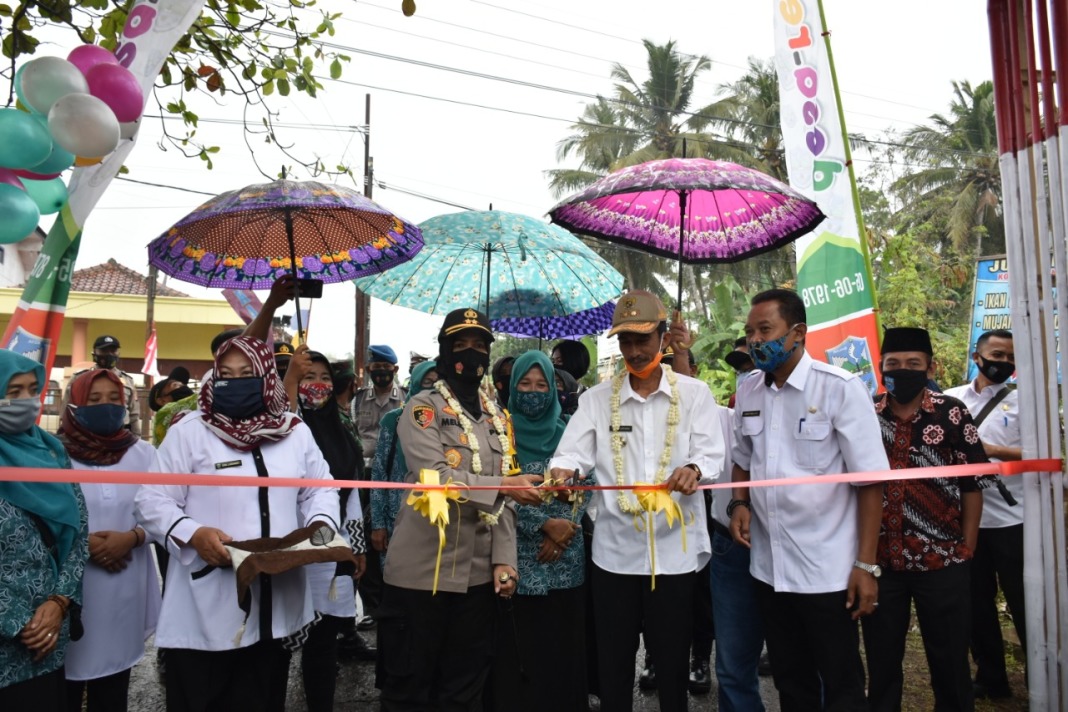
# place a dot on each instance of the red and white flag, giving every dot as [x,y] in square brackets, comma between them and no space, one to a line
[150,368]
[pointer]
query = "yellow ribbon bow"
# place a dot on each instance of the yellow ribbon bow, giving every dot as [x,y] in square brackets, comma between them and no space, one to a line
[654,499]
[434,505]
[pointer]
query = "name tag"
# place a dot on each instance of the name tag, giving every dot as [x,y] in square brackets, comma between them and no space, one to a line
[621,429]
[227,464]
[750,413]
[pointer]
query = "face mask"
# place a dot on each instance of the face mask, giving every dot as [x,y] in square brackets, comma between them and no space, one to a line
[313,396]
[650,367]
[239,398]
[468,366]
[180,392]
[381,378]
[770,355]
[533,404]
[102,418]
[18,415]
[996,371]
[904,384]
[504,394]
[105,361]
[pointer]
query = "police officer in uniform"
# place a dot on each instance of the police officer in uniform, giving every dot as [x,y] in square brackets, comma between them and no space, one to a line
[106,356]
[435,648]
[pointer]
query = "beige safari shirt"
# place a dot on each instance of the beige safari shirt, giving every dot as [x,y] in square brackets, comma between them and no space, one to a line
[432,438]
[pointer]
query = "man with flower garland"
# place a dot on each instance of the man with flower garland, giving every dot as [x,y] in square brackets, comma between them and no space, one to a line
[812,546]
[435,646]
[647,426]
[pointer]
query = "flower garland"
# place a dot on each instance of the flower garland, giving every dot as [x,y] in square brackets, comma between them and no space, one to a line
[626,503]
[472,440]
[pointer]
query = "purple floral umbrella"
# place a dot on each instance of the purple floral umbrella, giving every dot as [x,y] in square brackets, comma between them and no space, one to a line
[247,238]
[694,210]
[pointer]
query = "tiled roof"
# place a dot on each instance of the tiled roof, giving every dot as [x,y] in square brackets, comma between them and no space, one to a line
[113,278]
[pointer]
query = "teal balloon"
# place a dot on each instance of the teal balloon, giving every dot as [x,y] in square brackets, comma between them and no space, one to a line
[20,214]
[18,87]
[49,195]
[24,141]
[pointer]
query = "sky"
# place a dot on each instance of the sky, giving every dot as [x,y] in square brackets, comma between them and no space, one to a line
[474,141]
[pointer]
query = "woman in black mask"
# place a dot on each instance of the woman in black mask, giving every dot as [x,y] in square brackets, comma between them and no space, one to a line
[436,622]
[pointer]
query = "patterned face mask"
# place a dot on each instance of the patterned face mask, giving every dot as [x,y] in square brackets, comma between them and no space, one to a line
[313,396]
[533,404]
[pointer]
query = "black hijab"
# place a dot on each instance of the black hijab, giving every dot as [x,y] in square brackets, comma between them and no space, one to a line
[339,448]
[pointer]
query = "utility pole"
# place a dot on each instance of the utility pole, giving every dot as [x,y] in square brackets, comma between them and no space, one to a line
[363,302]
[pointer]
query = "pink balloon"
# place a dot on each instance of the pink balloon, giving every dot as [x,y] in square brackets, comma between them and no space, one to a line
[85,57]
[118,88]
[30,175]
[8,177]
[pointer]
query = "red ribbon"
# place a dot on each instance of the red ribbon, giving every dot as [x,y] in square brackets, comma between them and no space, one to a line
[30,474]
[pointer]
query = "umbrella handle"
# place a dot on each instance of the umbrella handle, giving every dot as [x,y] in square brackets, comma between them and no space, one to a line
[683,345]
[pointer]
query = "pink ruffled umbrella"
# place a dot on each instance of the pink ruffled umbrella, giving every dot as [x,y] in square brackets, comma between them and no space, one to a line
[694,210]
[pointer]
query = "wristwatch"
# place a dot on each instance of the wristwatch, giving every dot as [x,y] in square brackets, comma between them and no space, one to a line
[695,468]
[873,569]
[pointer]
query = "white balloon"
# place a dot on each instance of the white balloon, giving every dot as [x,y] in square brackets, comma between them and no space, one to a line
[129,129]
[45,79]
[84,125]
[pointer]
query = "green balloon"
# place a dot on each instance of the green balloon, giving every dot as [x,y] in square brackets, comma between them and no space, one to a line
[24,141]
[49,195]
[20,214]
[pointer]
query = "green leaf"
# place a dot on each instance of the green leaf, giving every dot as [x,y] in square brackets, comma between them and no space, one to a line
[335,69]
[268,88]
[283,87]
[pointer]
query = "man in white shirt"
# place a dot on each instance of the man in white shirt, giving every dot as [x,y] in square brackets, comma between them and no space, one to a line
[998,559]
[812,546]
[647,425]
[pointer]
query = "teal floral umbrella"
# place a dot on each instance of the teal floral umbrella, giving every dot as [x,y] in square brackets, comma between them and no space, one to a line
[511,266]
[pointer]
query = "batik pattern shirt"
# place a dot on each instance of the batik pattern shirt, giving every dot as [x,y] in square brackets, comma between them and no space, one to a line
[922,519]
[569,571]
[28,576]
[389,466]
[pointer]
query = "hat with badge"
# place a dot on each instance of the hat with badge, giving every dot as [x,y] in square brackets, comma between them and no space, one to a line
[907,338]
[283,349]
[106,342]
[463,319]
[637,312]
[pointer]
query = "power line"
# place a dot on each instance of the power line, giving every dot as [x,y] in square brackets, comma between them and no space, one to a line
[416,194]
[162,185]
[276,124]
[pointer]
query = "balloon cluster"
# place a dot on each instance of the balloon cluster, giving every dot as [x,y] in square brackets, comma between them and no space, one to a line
[71,112]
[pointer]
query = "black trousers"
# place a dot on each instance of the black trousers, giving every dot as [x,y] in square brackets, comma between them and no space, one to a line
[814,650]
[998,562]
[704,632]
[44,693]
[104,694]
[625,607]
[943,608]
[435,651]
[220,681]
[318,663]
[531,632]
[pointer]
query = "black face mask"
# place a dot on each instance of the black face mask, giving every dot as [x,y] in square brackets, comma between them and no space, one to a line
[467,366]
[106,361]
[180,392]
[904,384]
[239,398]
[381,378]
[503,394]
[996,371]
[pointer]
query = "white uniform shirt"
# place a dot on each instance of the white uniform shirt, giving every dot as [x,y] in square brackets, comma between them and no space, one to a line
[586,446]
[203,614]
[722,497]
[822,421]
[1001,427]
[321,576]
[120,610]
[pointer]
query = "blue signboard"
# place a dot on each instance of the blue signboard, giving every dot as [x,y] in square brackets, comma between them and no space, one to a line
[991,305]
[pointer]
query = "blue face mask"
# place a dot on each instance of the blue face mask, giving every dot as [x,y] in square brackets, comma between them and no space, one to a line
[770,355]
[239,398]
[102,418]
[533,404]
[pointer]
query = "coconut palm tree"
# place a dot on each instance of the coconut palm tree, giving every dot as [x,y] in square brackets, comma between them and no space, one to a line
[753,117]
[961,151]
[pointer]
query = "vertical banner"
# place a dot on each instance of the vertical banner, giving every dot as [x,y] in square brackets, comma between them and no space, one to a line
[833,274]
[151,365]
[152,29]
